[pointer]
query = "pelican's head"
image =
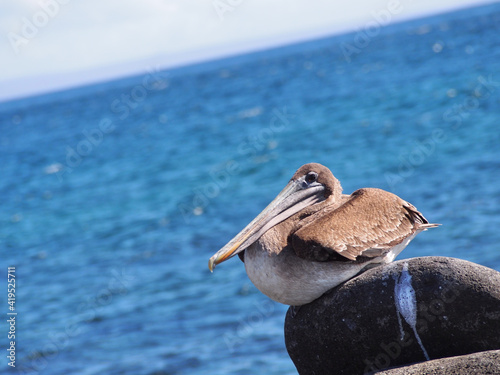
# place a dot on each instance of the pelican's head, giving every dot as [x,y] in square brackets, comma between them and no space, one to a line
[311,184]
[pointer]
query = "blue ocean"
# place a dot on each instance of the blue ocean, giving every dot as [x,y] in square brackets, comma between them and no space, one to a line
[115,195]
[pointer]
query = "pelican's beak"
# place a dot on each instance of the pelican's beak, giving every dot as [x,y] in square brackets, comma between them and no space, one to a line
[292,199]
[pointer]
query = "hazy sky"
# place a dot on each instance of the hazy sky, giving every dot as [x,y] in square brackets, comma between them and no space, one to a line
[58,38]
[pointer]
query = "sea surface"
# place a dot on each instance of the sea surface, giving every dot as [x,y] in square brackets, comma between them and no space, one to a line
[114,196]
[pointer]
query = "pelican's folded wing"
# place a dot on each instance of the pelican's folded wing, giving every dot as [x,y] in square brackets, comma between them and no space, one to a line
[368,224]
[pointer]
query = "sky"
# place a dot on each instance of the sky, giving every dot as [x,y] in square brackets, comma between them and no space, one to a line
[53,44]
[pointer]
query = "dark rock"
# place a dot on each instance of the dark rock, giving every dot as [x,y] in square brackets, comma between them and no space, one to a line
[451,306]
[476,363]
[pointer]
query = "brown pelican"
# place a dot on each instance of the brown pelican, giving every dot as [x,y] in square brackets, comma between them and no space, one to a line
[311,237]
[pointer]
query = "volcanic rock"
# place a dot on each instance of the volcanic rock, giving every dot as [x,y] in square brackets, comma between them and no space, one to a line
[397,314]
[475,363]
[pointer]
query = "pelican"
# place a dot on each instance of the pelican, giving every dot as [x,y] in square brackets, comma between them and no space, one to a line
[312,237]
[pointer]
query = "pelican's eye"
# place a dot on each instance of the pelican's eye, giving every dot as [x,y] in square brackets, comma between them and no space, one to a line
[311,177]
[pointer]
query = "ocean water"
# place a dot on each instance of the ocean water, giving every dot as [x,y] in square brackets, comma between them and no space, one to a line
[114,196]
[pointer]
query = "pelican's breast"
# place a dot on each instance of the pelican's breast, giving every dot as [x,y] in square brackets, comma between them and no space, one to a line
[291,280]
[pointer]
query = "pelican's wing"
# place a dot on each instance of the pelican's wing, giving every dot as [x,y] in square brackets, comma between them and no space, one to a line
[367,224]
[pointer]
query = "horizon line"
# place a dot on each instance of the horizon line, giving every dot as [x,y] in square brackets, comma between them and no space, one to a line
[129,69]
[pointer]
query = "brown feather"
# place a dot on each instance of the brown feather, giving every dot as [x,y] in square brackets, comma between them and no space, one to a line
[366,225]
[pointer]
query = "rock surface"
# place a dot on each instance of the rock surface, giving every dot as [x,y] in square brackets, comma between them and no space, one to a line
[397,314]
[476,363]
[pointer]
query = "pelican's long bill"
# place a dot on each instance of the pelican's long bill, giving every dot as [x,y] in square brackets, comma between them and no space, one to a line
[293,198]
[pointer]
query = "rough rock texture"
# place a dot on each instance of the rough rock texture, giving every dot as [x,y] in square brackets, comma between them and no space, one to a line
[451,306]
[476,363]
